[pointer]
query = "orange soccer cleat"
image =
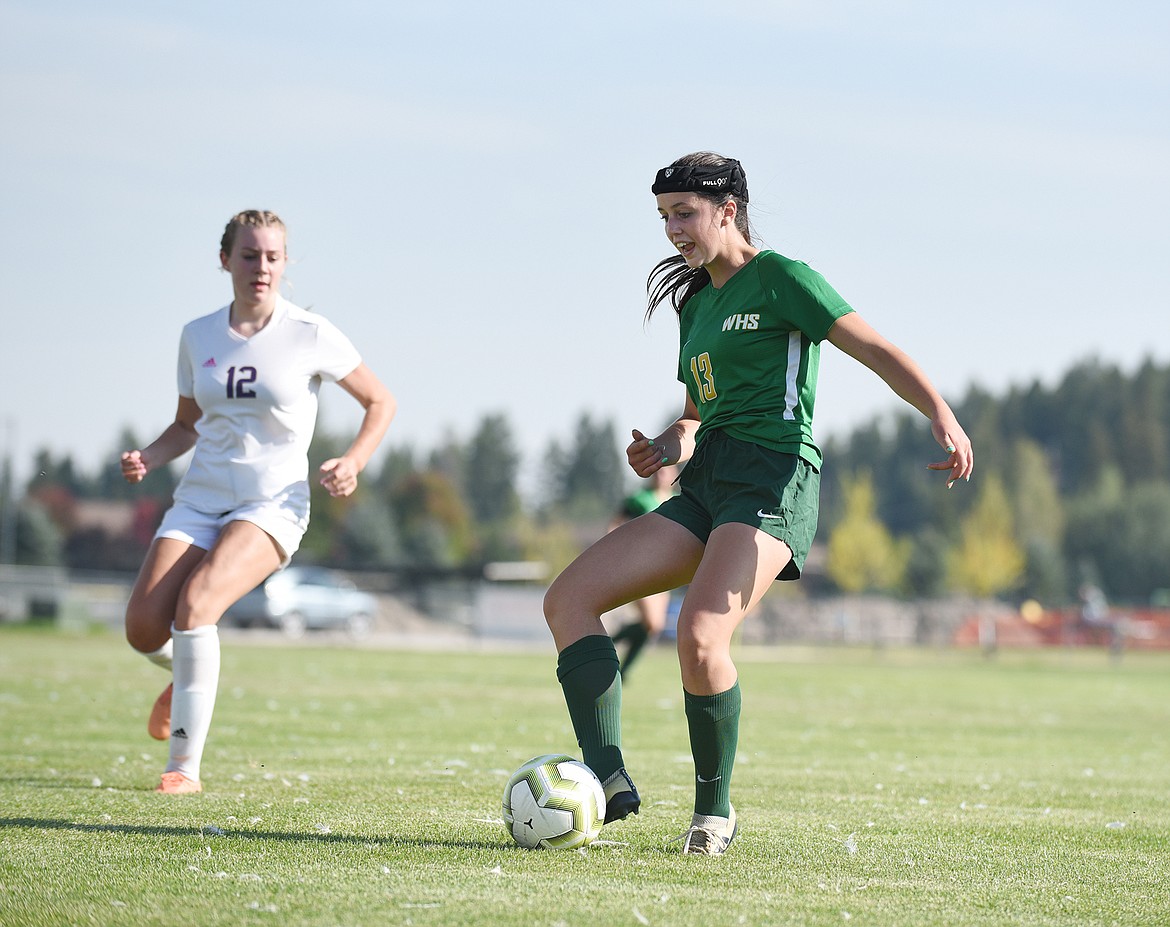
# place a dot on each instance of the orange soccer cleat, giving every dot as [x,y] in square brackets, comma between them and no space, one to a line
[175,783]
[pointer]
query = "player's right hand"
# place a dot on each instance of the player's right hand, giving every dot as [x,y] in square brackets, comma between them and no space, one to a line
[133,467]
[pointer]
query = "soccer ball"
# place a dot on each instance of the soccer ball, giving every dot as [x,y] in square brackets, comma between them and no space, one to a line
[554,801]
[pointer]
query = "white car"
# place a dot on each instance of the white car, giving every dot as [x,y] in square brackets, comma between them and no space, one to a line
[298,599]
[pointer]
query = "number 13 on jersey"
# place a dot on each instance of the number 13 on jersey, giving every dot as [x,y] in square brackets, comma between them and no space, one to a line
[704,376]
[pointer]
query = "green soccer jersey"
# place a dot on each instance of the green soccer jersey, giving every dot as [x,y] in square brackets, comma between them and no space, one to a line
[751,351]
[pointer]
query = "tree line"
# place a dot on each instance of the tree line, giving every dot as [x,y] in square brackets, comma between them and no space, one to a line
[1072,488]
[455,507]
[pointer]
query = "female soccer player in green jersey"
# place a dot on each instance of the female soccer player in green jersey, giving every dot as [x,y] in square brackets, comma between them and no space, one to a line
[751,325]
[248,377]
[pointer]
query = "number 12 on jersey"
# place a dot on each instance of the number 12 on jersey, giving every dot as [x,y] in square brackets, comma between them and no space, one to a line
[239,388]
[704,376]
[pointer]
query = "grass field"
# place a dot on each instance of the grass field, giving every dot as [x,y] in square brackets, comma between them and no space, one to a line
[362,787]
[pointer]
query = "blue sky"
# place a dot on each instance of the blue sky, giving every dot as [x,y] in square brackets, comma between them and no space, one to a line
[467,191]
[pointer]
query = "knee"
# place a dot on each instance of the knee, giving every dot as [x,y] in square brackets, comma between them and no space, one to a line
[690,654]
[556,599]
[195,610]
[145,631]
[699,649]
[571,610]
[136,639]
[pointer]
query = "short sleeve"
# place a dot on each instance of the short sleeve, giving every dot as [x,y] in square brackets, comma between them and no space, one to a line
[806,299]
[337,358]
[823,304]
[186,373]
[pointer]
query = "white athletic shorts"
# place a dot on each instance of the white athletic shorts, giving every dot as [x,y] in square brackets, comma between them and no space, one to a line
[283,520]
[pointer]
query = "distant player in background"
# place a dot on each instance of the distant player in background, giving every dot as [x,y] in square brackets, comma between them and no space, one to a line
[652,609]
[248,377]
[751,324]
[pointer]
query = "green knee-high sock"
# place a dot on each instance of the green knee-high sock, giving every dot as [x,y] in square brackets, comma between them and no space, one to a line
[713,721]
[637,635]
[588,673]
[626,631]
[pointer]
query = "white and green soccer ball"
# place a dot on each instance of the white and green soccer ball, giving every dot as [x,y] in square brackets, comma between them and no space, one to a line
[555,802]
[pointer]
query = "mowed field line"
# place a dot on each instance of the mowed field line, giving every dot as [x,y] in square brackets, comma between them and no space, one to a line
[362,786]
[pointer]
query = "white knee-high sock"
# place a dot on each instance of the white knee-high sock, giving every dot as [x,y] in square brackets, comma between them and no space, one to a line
[196,683]
[164,656]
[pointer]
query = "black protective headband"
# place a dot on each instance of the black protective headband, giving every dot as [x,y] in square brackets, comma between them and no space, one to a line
[726,179]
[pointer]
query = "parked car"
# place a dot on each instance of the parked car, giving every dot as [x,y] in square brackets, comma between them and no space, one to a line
[301,598]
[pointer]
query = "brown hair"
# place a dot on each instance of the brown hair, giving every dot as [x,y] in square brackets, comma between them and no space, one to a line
[671,279]
[249,218]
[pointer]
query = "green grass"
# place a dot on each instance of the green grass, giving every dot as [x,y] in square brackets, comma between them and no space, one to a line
[362,787]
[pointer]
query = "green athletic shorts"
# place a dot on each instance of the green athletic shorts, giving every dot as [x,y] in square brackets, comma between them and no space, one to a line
[738,482]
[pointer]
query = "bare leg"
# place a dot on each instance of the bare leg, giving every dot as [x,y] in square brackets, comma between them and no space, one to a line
[185,586]
[652,610]
[642,557]
[150,612]
[739,565]
[241,557]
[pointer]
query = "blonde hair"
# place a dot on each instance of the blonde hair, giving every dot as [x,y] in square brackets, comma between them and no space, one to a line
[249,218]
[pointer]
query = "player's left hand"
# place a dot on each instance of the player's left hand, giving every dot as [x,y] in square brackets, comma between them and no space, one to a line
[961,457]
[339,476]
[134,467]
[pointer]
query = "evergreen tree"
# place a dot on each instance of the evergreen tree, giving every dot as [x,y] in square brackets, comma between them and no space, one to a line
[551,477]
[449,459]
[493,464]
[1119,537]
[158,484]
[397,465]
[1144,429]
[49,471]
[368,536]
[591,474]
[926,566]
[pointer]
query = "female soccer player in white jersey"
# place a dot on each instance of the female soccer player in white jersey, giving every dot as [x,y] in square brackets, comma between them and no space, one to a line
[249,374]
[751,323]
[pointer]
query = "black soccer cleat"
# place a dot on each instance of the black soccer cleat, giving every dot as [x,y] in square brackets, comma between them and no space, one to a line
[621,797]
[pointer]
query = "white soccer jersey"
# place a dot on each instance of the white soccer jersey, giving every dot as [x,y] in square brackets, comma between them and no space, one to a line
[258,396]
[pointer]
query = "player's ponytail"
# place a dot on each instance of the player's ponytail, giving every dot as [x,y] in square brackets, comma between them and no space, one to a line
[672,280]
